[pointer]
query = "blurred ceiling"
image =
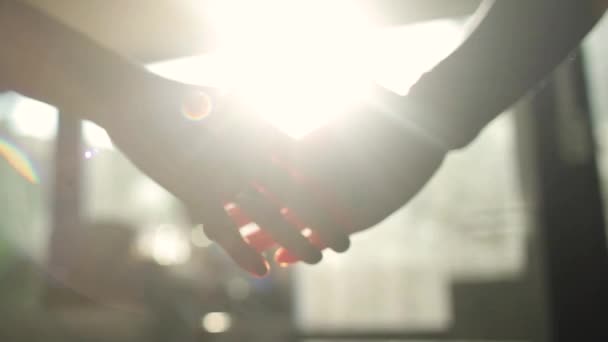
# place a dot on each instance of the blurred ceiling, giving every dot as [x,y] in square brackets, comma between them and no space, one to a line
[156,30]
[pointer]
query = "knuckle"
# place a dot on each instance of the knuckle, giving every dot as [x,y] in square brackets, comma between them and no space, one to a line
[316,257]
[341,245]
[309,253]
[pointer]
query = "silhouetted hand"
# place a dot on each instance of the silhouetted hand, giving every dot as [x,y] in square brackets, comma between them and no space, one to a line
[345,177]
[203,148]
[196,144]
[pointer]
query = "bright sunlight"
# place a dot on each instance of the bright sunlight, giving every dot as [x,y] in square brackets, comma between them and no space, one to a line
[298,64]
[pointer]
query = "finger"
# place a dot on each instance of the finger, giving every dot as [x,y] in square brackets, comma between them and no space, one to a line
[284,257]
[255,237]
[319,221]
[258,238]
[304,213]
[268,215]
[320,192]
[219,228]
[312,206]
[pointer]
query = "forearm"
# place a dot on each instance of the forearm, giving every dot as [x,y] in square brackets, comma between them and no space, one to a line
[514,46]
[43,59]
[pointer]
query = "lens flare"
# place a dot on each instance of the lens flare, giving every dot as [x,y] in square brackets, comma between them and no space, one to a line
[197,106]
[298,67]
[19,161]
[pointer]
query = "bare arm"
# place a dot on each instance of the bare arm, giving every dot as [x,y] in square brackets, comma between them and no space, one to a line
[515,44]
[43,59]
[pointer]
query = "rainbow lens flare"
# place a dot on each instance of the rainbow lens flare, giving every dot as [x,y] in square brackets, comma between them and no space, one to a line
[19,161]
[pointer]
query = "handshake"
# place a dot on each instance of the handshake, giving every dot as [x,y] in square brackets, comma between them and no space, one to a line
[231,169]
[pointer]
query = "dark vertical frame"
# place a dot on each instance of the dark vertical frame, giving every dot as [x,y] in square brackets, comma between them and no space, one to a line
[571,236]
[66,202]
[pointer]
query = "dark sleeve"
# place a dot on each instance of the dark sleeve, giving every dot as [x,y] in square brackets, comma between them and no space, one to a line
[514,45]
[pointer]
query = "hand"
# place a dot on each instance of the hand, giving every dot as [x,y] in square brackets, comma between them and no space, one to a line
[348,176]
[204,149]
[203,161]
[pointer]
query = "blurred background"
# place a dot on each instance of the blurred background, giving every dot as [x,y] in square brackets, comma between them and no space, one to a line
[93,250]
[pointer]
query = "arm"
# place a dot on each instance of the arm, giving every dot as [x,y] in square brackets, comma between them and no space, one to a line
[204,163]
[514,45]
[43,59]
[374,161]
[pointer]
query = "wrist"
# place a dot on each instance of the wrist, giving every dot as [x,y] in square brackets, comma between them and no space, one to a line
[442,128]
[485,76]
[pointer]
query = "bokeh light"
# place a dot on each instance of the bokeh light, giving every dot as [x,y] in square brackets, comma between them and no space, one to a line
[216,322]
[165,244]
[197,106]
